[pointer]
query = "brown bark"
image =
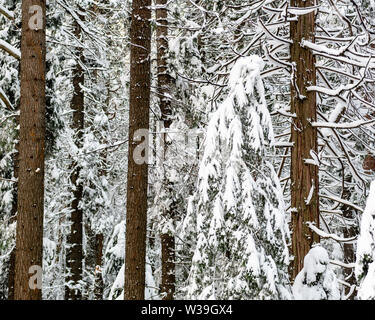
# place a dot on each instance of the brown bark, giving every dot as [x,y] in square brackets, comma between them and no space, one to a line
[29,239]
[304,176]
[11,274]
[12,259]
[99,285]
[349,232]
[137,180]
[164,83]
[74,255]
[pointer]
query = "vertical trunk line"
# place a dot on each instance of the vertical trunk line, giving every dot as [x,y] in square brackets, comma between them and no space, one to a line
[164,81]
[137,179]
[74,255]
[30,201]
[304,177]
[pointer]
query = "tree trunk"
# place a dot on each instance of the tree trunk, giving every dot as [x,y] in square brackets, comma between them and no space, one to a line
[349,215]
[99,285]
[304,177]
[74,256]
[11,274]
[30,202]
[164,82]
[137,181]
[12,259]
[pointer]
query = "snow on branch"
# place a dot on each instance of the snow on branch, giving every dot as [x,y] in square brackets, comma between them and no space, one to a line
[302,11]
[340,89]
[333,236]
[274,37]
[346,202]
[349,125]
[342,264]
[5,99]
[338,55]
[14,52]
[5,12]
[283,64]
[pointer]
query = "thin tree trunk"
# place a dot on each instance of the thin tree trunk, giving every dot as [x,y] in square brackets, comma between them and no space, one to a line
[349,231]
[12,259]
[304,177]
[11,274]
[74,256]
[30,202]
[164,83]
[99,285]
[137,181]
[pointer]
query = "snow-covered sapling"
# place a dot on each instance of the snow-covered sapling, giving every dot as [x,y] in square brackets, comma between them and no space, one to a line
[316,281]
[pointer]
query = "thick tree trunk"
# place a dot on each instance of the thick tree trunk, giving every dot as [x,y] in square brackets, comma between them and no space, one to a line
[74,256]
[137,181]
[164,83]
[304,177]
[30,202]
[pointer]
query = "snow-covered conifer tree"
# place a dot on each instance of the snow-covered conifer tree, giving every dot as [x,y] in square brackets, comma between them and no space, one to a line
[237,215]
[316,281]
[365,264]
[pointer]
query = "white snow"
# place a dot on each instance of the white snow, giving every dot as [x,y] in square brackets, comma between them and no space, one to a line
[316,281]
[365,255]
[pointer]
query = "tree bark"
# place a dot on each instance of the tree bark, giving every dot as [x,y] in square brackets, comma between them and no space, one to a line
[11,274]
[137,180]
[74,255]
[349,215]
[99,285]
[12,259]
[304,177]
[30,202]
[164,83]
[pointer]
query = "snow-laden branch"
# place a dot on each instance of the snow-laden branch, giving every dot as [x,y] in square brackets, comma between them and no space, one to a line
[349,125]
[5,99]
[302,11]
[14,52]
[318,48]
[340,89]
[326,235]
[346,202]
[275,61]
[81,24]
[273,36]
[342,264]
[5,12]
